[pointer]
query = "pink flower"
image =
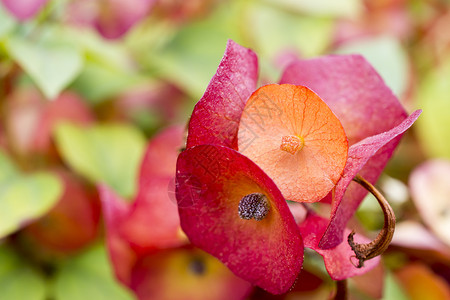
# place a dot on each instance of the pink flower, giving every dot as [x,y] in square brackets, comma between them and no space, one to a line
[232,204]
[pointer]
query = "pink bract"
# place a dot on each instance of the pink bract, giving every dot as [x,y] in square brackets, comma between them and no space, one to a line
[24,9]
[211,181]
[112,18]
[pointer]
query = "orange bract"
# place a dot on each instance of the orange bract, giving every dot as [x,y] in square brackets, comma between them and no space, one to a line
[290,133]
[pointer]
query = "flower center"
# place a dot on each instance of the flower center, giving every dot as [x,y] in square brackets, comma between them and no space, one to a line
[254,206]
[292,143]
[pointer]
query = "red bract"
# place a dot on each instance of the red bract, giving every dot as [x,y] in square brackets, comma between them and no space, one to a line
[24,9]
[150,254]
[279,129]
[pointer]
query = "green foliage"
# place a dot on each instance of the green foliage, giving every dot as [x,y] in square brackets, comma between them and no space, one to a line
[24,197]
[392,290]
[387,56]
[433,126]
[52,64]
[191,57]
[89,276]
[7,23]
[18,280]
[109,153]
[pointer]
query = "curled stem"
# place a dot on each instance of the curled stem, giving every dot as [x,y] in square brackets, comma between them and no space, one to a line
[376,247]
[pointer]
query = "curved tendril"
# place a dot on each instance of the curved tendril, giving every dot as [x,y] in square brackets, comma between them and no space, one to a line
[376,247]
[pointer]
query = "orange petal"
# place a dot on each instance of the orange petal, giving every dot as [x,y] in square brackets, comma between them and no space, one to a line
[290,133]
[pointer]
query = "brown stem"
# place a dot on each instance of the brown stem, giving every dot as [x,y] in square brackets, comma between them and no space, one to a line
[376,247]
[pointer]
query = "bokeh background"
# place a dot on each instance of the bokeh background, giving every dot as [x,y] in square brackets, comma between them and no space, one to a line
[85,85]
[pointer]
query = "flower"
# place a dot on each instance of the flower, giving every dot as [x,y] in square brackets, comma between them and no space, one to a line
[249,149]
[149,252]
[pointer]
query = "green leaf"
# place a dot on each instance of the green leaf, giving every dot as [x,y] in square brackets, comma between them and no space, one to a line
[17,279]
[392,290]
[276,30]
[52,64]
[191,58]
[98,82]
[7,22]
[109,68]
[109,153]
[24,197]
[433,124]
[89,276]
[337,8]
[388,58]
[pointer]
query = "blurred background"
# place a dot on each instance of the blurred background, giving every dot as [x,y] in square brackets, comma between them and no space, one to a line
[86,85]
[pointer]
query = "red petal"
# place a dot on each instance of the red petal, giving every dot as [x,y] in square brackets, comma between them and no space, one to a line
[115,210]
[161,156]
[366,158]
[153,222]
[186,273]
[338,261]
[215,118]
[211,180]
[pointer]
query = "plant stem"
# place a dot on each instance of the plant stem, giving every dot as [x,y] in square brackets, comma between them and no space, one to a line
[376,247]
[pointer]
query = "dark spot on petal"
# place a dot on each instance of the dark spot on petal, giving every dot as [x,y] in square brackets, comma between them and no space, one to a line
[197,266]
[254,206]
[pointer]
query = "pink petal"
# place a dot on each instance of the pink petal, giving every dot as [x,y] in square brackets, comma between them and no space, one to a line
[153,222]
[353,90]
[161,156]
[115,210]
[112,18]
[211,180]
[24,9]
[116,17]
[366,158]
[338,261]
[430,189]
[216,116]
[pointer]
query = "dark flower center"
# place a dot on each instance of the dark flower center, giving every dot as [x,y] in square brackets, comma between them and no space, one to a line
[254,206]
